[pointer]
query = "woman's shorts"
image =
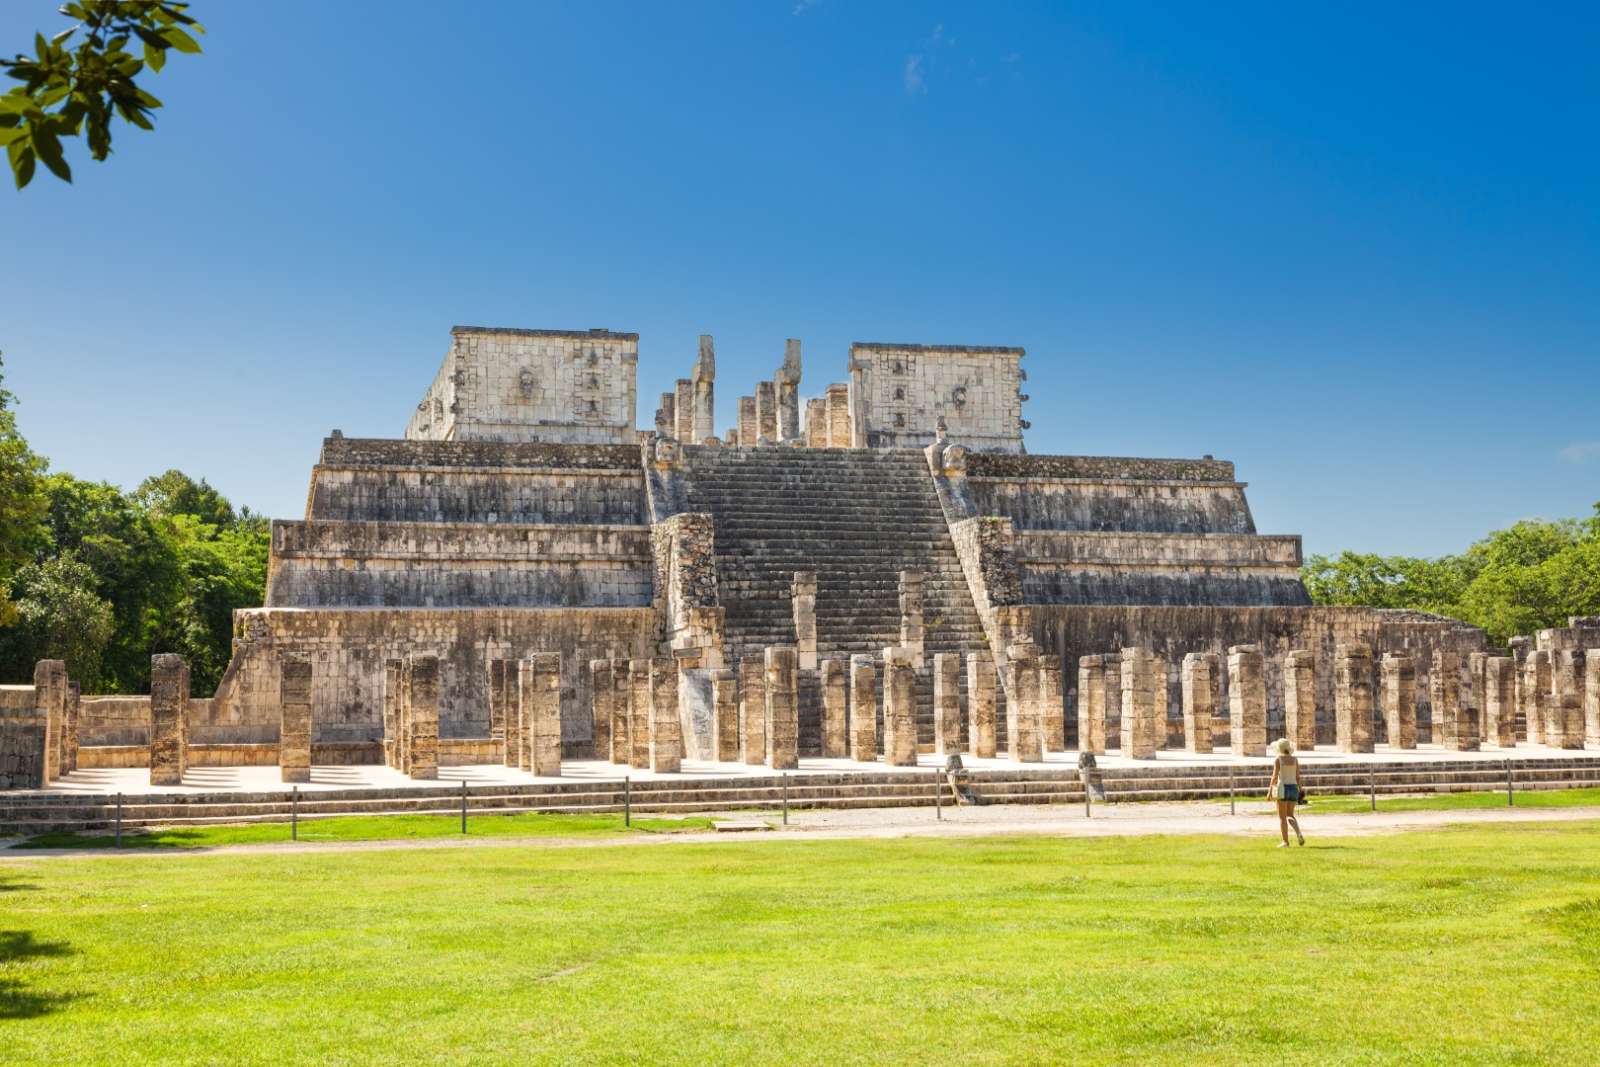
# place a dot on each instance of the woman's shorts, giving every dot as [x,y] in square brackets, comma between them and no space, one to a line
[1288,791]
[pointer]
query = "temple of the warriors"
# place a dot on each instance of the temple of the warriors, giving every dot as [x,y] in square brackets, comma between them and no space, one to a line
[865,566]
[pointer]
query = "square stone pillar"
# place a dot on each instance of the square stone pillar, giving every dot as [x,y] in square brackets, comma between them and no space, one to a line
[500,698]
[402,713]
[787,390]
[23,754]
[639,714]
[74,708]
[1111,675]
[1473,693]
[169,717]
[683,411]
[705,396]
[980,704]
[666,732]
[1591,697]
[1399,699]
[803,597]
[725,715]
[753,709]
[1444,692]
[1536,694]
[911,599]
[817,422]
[1499,701]
[294,729]
[1247,700]
[391,714]
[539,696]
[899,708]
[1566,704]
[835,709]
[50,696]
[1024,725]
[863,709]
[1300,699]
[667,415]
[1092,704]
[600,703]
[621,736]
[1144,703]
[423,705]
[1201,675]
[839,416]
[748,426]
[783,708]
[946,703]
[1352,697]
[1052,705]
[766,412]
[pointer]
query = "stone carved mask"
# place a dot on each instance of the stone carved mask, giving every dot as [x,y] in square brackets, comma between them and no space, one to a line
[526,382]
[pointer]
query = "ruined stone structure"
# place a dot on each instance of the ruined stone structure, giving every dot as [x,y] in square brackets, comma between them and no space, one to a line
[900,526]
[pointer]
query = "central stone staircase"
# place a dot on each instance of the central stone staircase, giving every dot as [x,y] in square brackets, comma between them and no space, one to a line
[857,518]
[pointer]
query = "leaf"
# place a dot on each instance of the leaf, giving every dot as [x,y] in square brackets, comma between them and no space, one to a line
[180,40]
[64,34]
[9,135]
[155,58]
[48,149]
[16,101]
[21,162]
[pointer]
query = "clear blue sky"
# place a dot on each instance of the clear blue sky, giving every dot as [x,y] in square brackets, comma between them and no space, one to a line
[1357,252]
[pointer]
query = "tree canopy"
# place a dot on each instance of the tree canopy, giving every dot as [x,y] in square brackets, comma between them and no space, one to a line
[1529,576]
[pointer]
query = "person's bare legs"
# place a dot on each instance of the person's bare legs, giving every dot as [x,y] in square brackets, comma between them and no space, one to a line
[1284,810]
[1290,818]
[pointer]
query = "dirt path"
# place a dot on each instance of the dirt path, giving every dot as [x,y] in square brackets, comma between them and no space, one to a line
[1253,820]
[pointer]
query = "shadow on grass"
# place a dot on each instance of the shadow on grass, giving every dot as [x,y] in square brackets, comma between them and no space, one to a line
[130,839]
[19,946]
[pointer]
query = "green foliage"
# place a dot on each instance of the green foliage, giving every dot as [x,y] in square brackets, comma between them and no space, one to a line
[1526,577]
[22,503]
[67,91]
[61,617]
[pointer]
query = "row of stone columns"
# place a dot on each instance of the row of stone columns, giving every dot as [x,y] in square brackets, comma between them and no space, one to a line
[410,717]
[635,704]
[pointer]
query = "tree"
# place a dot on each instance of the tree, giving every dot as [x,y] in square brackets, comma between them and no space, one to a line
[65,92]
[60,617]
[22,502]
[175,493]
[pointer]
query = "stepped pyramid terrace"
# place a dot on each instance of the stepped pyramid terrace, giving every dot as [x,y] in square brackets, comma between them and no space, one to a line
[858,574]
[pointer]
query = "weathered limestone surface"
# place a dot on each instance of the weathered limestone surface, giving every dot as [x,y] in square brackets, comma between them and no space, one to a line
[666,739]
[838,402]
[766,412]
[1353,697]
[1473,694]
[639,704]
[621,748]
[1566,705]
[1499,701]
[391,716]
[169,728]
[899,392]
[1400,700]
[1452,729]
[753,709]
[786,390]
[863,709]
[817,422]
[1300,698]
[1092,705]
[1202,683]
[899,708]
[23,754]
[1144,701]
[50,686]
[1536,695]
[981,682]
[1024,725]
[783,709]
[725,704]
[601,689]
[803,594]
[294,736]
[947,703]
[912,632]
[835,709]
[1052,704]
[749,426]
[1247,700]
[422,709]
[1591,697]
[69,759]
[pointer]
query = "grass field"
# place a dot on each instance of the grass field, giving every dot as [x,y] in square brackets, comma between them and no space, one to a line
[1552,798]
[1461,946]
[372,828]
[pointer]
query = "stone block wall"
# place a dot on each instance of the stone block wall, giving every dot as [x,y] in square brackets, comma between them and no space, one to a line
[900,392]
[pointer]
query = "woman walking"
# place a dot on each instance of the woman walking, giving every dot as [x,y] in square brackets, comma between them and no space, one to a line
[1285,789]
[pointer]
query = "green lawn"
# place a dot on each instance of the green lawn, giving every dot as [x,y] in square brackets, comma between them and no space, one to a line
[372,828]
[1476,945]
[1553,798]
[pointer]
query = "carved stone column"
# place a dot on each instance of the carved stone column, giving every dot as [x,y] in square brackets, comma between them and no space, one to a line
[1444,693]
[169,717]
[766,413]
[1092,705]
[1247,700]
[899,708]
[621,715]
[946,703]
[391,714]
[783,709]
[863,709]
[1591,696]
[835,709]
[422,704]
[1352,691]
[803,597]
[1499,701]
[666,732]
[1400,700]
[705,404]
[839,416]
[1144,703]
[294,730]
[1052,705]
[1536,694]
[1566,711]
[1024,733]
[981,683]
[683,413]
[600,707]
[753,709]
[50,696]
[749,427]
[1202,682]
[725,715]
[639,714]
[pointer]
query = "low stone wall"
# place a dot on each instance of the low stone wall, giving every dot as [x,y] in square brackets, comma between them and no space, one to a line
[93,757]
[113,720]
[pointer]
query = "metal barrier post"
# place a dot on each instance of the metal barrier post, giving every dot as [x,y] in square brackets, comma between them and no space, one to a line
[938,797]
[119,820]
[627,800]
[1232,809]
[1372,783]
[294,815]
[1509,801]
[463,805]
[786,800]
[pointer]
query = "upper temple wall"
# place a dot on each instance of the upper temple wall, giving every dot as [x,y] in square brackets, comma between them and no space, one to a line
[899,392]
[532,385]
